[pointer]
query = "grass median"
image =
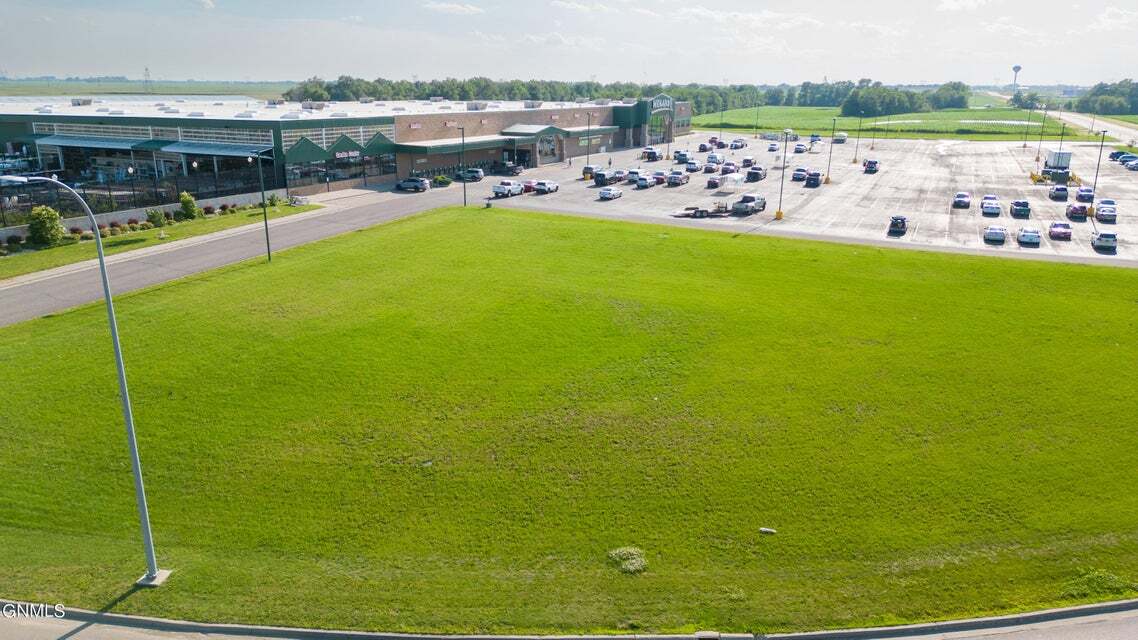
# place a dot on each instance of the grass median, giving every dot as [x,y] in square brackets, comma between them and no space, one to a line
[447,422]
[32,260]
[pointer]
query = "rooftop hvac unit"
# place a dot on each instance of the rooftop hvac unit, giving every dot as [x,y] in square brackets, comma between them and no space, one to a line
[475,106]
[244,114]
[160,104]
[437,99]
[444,107]
[275,101]
[80,102]
[340,114]
[219,104]
[172,110]
[602,101]
[291,115]
[398,108]
[580,100]
[102,109]
[532,104]
[309,104]
[116,112]
[366,100]
[381,104]
[196,114]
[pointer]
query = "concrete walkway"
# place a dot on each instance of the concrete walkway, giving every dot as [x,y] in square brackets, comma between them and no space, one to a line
[1117,625]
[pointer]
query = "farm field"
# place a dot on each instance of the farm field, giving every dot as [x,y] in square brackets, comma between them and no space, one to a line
[972,124]
[445,423]
[60,87]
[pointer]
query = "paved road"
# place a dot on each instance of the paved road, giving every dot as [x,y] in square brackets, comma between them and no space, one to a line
[37,294]
[1127,134]
[1114,626]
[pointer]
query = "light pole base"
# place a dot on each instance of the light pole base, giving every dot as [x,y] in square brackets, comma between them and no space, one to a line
[778,215]
[827,180]
[854,161]
[153,581]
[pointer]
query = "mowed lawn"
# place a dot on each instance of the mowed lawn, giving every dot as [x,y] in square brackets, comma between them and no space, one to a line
[971,124]
[446,422]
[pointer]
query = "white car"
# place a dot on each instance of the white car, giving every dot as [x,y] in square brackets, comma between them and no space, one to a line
[990,207]
[610,193]
[990,196]
[546,186]
[1029,236]
[996,233]
[694,166]
[772,146]
[1107,202]
[1106,214]
[1103,240]
[507,188]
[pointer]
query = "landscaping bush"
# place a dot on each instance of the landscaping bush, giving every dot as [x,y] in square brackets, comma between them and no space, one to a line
[441,181]
[15,242]
[133,226]
[75,231]
[145,224]
[115,224]
[224,208]
[155,217]
[630,559]
[44,228]
[131,221]
[87,235]
[208,210]
[116,231]
[103,233]
[189,209]
[274,200]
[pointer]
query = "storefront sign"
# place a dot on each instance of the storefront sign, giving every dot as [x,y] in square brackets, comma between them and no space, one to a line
[340,155]
[662,103]
[416,125]
[451,123]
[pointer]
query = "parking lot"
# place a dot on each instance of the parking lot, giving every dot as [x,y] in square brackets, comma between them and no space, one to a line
[917,179]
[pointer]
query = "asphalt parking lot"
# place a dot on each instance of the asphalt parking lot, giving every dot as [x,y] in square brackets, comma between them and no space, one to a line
[917,179]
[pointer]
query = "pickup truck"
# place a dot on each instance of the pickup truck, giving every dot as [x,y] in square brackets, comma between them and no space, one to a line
[507,188]
[748,204]
[676,178]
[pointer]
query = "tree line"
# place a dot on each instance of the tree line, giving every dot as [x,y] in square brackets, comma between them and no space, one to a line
[1117,98]
[870,96]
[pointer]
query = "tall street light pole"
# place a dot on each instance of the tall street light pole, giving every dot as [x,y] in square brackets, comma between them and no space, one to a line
[1062,134]
[1042,127]
[154,576]
[462,162]
[1094,187]
[830,160]
[1027,125]
[782,183]
[588,133]
[857,144]
[264,205]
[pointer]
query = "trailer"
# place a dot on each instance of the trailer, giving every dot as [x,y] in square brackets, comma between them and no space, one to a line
[1057,160]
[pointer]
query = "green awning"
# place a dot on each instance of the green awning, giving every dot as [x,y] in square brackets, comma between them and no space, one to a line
[305,150]
[577,132]
[379,145]
[152,145]
[454,145]
[345,147]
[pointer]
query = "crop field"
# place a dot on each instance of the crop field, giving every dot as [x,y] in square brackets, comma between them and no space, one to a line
[170,87]
[446,423]
[974,124]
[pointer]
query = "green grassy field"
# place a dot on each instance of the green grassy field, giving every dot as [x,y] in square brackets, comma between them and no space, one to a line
[980,100]
[1130,119]
[29,261]
[171,87]
[446,422]
[972,124]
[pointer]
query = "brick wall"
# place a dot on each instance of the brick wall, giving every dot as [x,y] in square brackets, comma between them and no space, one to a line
[490,123]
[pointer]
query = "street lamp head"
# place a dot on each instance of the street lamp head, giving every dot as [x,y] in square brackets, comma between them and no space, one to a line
[130,170]
[54,177]
[788,131]
[249,159]
[194,164]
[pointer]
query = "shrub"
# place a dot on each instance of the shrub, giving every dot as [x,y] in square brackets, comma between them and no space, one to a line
[133,226]
[131,221]
[44,227]
[102,227]
[103,233]
[87,235]
[224,207]
[75,231]
[630,559]
[155,217]
[189,208]
[1096,583]
[115,224]
[169,215]
[274,200]
[208,210]
[116,231]
[441,181]
[145,224]
[14,242]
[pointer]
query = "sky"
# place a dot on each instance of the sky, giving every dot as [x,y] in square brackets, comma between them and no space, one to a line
[748,41]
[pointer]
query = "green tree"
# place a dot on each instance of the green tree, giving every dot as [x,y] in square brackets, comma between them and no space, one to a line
[44,227]
[189,208]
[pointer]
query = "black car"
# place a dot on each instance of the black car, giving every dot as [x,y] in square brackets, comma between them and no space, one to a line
[413,184]
[813,179]
[1114,155]
[898,225]
[871,166]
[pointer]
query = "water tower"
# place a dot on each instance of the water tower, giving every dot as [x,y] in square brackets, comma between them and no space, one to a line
[1015,78]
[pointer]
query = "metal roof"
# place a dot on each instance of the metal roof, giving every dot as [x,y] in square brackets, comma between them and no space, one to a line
[209,149]
[94,143]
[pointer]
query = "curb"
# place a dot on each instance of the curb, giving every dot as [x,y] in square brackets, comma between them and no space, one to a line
[872,633]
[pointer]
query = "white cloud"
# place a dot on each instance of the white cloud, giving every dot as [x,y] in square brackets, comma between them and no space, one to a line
[1006,27]
[961,5]
[206,4]
[454,8]
[1114,19]
[556,39]
[594,7]
[749,20]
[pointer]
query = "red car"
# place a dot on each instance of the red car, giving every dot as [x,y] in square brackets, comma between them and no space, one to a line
[1077,211]
[713,182]
[710,167]
[728,167]
[713,139]
[1059,231]
[529,185]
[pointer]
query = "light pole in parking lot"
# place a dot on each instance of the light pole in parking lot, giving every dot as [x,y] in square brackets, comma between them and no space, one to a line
[860,115]
[1027,125]
[829,160]
[154,576]
[264,204]
[782,183]
[1094,187]
[462,161]
[588,132]
[1042,126]
[1062,134]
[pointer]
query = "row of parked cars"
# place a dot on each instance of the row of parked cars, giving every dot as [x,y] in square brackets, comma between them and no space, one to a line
[1126,159]
[1107,211]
